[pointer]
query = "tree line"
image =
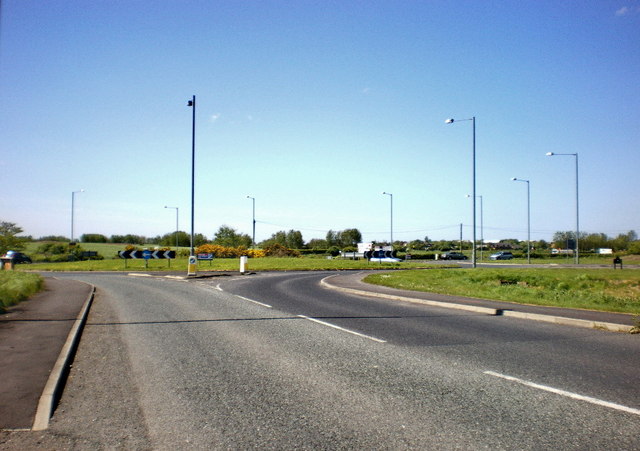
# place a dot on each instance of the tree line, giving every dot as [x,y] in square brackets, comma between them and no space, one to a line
[11,238]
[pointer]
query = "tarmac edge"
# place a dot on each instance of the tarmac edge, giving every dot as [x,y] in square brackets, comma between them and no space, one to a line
[612,327]
[54,386]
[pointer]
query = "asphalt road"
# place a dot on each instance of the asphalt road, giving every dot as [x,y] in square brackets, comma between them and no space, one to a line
[275,361]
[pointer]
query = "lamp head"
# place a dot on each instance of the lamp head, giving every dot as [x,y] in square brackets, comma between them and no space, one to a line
[449,121]
[550,154]
[514,179]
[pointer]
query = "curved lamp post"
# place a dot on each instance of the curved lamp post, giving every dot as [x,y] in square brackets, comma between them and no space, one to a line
[577,254]
[473,120]
[515,179]
[192,103]
[391,199]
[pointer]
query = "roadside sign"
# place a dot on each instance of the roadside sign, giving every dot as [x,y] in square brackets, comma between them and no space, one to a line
[147,254]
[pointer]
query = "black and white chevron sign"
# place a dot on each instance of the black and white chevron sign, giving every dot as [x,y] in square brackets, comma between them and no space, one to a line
[147,254]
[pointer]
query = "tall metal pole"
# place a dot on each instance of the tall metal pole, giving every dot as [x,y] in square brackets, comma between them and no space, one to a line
[192,104]
[473,120]
[474,191]
[481,227]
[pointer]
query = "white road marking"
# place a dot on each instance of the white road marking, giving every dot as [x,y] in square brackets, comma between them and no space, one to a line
[568,394]
[342,329]
[251,300]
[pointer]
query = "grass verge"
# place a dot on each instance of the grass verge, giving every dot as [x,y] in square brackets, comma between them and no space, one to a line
[16,286]
[593,289]
[223,264]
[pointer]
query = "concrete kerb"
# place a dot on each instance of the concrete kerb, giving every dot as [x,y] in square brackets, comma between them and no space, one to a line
[54,386]
[488,311]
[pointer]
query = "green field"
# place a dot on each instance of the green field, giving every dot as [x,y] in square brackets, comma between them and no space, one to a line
[585,288]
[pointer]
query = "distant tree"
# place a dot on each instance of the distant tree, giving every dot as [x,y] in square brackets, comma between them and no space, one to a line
[332,238]
[279,237]
[594,241]
[417,245]
[93,238]
[9,239]
[199,239]
[634,247]
[623,240]
[229,237]
[169,239]
[317,243]
[540,245]
[294,239]
[53,238]
[348,237]
[563,239]
[128,239]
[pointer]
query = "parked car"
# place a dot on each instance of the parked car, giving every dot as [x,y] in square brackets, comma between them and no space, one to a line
[501,256]
[453,256]
[18,257]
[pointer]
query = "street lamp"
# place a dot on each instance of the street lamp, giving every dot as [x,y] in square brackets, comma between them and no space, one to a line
[176,225]
[192,104]
[515,179]
[73,193]
[253,240]
[473,120]
[391,199]
[481,228]
[577,254]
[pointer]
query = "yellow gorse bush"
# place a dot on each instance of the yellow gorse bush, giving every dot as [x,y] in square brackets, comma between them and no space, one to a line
[229,252]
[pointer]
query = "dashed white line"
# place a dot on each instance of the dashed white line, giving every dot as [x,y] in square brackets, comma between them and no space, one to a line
[568,394]
[251,300]
[324,323]
[219,288]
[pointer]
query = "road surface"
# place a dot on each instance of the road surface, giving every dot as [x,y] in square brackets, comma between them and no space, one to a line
[275,361]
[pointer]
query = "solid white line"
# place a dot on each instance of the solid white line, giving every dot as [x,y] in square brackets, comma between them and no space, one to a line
[251,300]
[568,394]
[342,329]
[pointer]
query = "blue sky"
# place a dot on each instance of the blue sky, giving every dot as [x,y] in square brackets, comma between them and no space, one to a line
[316,107]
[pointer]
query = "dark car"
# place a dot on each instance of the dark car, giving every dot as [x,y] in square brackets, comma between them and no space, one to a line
[454,256]
[18,257]
[501,256]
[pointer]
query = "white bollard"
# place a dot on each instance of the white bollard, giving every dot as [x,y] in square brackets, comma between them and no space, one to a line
[243,264]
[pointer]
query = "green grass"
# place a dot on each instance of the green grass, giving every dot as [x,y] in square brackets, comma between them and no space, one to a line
[16,286]
[222,264]
[595,289]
